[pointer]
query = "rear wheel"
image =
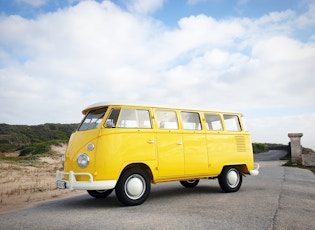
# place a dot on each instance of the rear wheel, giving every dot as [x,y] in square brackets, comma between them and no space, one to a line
[189,183]
[230,179]
[133,187]
[99,193]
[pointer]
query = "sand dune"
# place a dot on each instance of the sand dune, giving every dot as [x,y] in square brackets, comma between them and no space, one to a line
[25,184]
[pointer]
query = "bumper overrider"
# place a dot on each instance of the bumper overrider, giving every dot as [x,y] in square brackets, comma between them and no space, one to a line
[255,171]
[73,184]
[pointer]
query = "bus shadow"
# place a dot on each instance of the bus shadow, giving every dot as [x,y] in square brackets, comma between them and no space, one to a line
[80,202]
[179,191]
[158,193]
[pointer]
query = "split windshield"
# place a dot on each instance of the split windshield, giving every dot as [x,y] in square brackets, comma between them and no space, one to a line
[93,119]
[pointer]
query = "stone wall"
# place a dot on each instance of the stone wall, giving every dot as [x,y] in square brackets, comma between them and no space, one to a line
[300,155]
[308,157]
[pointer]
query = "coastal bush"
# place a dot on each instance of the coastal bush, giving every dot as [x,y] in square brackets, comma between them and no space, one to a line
[259,147]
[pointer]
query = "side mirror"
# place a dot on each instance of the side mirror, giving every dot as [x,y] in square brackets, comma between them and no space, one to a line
[109,124]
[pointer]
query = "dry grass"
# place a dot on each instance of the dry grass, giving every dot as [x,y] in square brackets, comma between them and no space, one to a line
[28,182]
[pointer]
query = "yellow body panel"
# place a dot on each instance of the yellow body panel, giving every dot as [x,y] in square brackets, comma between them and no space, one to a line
[195,152]
[77,145]
[121,147]
[167,155]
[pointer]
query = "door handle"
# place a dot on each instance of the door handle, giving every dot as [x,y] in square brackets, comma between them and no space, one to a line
[151,142]
[180,143]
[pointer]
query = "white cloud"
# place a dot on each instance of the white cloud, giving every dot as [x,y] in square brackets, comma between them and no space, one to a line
[53,66]
[276,17]
[143,6]
[307,19]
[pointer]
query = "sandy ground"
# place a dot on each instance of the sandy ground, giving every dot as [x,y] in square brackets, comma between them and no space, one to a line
[25,185]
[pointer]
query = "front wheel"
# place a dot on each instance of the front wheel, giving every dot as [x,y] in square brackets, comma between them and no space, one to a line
[189,183]
[230,179]
[100,193]
[133,187]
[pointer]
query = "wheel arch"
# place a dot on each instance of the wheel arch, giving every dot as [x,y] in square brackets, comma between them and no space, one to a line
[243,167]
[142,166]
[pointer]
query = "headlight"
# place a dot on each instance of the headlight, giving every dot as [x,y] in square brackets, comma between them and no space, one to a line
[83,160]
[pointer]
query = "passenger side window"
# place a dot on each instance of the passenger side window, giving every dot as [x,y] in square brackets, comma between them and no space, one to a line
[191,121]
[112,119]
[135,118]
[232,123]
[166,119]
[213,122]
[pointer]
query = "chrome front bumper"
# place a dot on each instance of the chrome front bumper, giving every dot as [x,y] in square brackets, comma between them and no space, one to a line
[73,184]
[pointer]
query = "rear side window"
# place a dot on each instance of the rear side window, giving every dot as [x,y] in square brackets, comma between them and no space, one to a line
[232,123]
[191,121]
[134,118]
[213,122]
[166,119]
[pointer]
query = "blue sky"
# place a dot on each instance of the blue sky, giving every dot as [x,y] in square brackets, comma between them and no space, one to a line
[252,56]
[167,11]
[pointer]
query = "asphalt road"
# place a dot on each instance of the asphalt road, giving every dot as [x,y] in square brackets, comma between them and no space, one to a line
[279,198]
[272,155]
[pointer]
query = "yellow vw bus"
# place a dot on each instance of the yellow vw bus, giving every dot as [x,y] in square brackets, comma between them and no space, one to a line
[127,148]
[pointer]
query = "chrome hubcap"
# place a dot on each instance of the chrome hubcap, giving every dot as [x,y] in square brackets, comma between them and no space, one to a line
[233,178]
[135,187]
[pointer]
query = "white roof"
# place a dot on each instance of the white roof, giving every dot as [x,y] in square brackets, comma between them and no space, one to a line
[106,103]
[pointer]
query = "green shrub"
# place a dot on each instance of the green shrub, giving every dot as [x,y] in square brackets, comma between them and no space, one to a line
[24,137]
[259,147]
[27,151]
